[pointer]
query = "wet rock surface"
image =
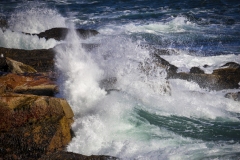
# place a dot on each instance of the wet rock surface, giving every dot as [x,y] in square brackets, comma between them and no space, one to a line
[222,78]
[226,77]
[37,125]
[73,156]
[61,33]
[196,70]
[33,125]
[3,23]
[234,96]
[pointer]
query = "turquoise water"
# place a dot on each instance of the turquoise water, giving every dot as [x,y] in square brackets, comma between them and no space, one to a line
[144,116]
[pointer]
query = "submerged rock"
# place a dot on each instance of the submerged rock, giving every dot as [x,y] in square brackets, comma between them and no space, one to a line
[160,62]
[108,84]
[89,46]
[234,96]
[159,52]
[3,23]
[32,126]
[196,70]
[61,33]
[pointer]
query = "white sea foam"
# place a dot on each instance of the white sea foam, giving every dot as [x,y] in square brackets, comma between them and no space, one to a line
[9,39]
[35,17]
[185,61]
[30,17]
[109,124]
[81,74]
[172,25]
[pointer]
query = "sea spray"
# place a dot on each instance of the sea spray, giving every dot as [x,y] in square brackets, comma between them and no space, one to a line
[80,73]
[137,119]
[31,17]
[35,17]
[18,40]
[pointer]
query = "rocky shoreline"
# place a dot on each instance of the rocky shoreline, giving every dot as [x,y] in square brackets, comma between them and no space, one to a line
[37,125]
[34,123]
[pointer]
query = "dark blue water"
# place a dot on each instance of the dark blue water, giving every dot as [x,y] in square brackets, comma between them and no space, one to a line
[217,22]
[216,30]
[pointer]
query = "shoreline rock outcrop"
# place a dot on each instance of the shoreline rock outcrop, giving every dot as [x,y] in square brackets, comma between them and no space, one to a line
[32,126]
[226,77]
[61,33]
[36,84]
[33,122]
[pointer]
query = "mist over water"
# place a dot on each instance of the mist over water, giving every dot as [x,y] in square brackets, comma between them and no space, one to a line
[144,116]
[35,17]
[122,110]
[81,75]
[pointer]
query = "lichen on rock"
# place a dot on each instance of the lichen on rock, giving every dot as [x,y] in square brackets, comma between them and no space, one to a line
[38,124]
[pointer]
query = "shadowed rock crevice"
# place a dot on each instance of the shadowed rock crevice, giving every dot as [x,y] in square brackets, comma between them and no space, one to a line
[73,156]
[41,60]
[18,67]
[3,23]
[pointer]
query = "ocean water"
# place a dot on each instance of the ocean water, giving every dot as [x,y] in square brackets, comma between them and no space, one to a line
[139,116]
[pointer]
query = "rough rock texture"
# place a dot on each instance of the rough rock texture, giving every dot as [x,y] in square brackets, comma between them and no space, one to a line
[18,67]
[41,60]
[32,126]
[73,156]
[60,33]
[234,96]
[196,70]
[232,65]
[204,80]
[160,62]
[222,78]
[37,84]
